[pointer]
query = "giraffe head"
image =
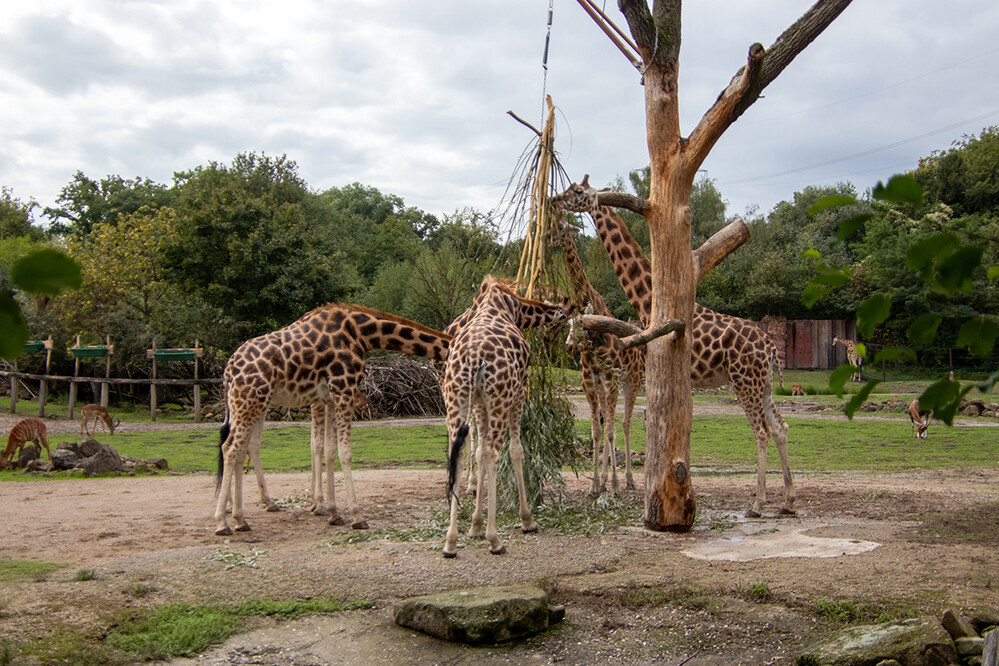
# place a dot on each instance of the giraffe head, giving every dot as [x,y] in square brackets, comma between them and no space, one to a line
[579,198]
[523,312]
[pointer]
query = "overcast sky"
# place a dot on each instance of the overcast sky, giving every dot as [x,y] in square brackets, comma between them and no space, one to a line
[411,97]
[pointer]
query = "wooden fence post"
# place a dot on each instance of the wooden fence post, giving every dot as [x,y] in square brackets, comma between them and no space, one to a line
[152,386]
[13,391]
[72,384]
[43,384]
[197,387]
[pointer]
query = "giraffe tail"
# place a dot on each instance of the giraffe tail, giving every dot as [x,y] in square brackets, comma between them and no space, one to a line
[452,460]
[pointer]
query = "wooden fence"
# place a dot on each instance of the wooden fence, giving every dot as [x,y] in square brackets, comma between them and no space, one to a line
[44,381]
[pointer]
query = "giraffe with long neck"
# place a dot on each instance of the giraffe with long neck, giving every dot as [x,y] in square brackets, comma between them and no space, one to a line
[852,357]
[725,349]
[602,368]
[318,359]
[486,373]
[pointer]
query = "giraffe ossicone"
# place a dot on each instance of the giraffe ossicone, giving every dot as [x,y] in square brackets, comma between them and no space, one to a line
[725,349]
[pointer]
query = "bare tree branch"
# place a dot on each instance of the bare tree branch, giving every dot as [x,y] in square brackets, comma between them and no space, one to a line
[719,246]
[623,200]
[629,335]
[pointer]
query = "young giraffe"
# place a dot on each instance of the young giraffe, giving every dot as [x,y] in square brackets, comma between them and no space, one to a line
[486,372]
[725,349]
[852,357]
[317,359]
[602,367]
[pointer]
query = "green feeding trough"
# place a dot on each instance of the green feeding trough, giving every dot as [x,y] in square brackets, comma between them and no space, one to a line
[34,346]
[88,352]
[173,354]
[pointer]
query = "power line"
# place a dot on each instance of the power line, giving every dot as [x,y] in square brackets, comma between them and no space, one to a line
[865,153]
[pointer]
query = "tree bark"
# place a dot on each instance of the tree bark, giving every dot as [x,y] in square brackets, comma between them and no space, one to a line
[674,160]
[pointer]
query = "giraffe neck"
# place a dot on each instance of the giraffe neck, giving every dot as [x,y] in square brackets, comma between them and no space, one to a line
[581,285]
[631,267]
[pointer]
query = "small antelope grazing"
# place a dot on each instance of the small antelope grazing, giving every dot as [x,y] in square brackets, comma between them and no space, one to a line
[920,419]
[100,416]
[796,389]
[27,430]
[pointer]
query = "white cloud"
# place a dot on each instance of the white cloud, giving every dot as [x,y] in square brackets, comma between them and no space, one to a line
[411,97]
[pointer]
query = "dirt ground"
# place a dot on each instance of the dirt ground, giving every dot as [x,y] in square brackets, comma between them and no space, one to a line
[730,591]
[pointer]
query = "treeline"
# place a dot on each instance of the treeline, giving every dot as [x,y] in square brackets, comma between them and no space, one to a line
[230,251]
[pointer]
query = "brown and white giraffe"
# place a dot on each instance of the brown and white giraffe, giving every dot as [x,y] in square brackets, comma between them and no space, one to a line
[486,373]
[318,359]
[603,367]
[852,357]
[725,349]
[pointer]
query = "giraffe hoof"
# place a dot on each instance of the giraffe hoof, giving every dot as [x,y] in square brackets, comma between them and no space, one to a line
[360,525]
[272,507]
[320,511]
[787,512]
[245,527]
[448,555]
[529,529]
[499,551]
[224,531]
[753,514]
[336,520]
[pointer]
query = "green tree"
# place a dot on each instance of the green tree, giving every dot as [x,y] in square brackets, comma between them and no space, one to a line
[85,202]
[966,177]
[255,245]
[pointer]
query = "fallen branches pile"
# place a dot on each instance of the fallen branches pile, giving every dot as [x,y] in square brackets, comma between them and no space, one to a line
[398,387]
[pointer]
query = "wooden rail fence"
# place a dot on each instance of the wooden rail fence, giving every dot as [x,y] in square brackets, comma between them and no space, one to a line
[44,381]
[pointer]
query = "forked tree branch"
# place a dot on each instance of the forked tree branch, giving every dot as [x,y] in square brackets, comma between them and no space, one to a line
[719,246]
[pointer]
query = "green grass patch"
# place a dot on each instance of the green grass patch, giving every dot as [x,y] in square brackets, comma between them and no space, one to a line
[182,630]
[13,570]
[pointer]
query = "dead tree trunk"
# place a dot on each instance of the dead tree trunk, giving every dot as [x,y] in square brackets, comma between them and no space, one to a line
[674,160]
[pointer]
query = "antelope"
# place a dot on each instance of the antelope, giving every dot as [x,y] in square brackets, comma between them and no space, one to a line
[797,390]
[100,416]
[27,430]
[916,416]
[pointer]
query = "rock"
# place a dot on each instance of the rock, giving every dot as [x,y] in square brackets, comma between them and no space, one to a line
[889,662]
[958,626]
[478,615]
[990,653]
[972,410]
[969,646]
[158,463]
[921,641]
[106,460]
[28,453]
[983,620]
[64,459]
[69,446]
[38,465]
[89,447]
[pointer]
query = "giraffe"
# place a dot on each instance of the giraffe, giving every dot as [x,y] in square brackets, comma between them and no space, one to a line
[486,372]
[602,367]
[852,357]
[317,359]
[725,349]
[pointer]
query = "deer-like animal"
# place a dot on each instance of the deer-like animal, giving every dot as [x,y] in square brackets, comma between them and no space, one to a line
[26,430]
[920,419]
[100,416]
[796,389]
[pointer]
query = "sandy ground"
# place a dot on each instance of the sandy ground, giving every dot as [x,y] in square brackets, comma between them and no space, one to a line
[899,543]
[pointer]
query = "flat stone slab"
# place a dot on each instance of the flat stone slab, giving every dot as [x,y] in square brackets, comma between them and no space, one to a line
[479,615]
[916,642]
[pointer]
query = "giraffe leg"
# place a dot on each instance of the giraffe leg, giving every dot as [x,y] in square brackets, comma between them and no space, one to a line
[469,457]
[344,413]
[492,457]
[610,434]
[778,427]
[476,529]
[329,451]
[451,540]
[237,495]
[527,523]
[258,470]
[596,436]
[630,394]
[317,438]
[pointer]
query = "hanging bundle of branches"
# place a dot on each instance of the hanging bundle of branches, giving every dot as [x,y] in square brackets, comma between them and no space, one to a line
[397,386]
[548,425]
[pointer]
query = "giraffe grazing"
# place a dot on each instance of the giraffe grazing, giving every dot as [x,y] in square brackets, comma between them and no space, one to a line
[852,357]
[486,372]
[318,359]
[602,367]
[725,349]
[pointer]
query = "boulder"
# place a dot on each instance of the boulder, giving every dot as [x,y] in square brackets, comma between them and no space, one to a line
[38,465]
[990,649]
[64,458]
[28,453]
[916,642]
[479,615]
[89,447]
[958,625]
[158,463]
[105,460]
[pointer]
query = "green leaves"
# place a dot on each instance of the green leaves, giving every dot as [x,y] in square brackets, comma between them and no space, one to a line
[46,272]
[42,272]
[978,335]
[900,189]
[872,312]
[923,330]
[944,264]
